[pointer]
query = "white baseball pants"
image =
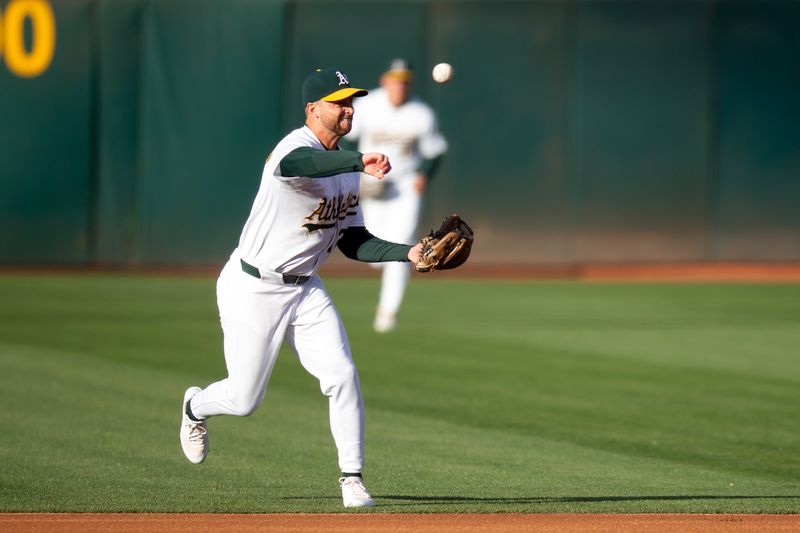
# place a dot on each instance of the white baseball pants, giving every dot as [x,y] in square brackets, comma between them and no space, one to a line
[257,315]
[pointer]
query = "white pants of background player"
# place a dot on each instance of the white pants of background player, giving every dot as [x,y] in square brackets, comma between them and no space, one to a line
[393,218]
[256,316]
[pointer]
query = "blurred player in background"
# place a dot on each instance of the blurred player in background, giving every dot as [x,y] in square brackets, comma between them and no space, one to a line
[392,121]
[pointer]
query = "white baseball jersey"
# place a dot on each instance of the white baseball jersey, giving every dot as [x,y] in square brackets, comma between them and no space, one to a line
[296,222]
[406,134]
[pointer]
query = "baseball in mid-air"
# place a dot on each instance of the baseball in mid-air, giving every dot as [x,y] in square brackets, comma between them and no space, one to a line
[442,73]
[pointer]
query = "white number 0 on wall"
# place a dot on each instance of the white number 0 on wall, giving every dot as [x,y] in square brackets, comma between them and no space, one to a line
[21,61]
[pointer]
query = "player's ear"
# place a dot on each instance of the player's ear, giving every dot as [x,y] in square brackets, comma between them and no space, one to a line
[311,110]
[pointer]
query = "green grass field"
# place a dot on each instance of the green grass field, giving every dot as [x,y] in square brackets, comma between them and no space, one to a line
[493,396]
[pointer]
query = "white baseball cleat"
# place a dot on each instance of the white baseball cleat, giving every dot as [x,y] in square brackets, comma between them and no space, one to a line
[194,436]
[354,493]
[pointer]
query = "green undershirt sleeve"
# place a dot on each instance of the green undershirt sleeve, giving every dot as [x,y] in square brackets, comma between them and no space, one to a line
[312,163]
[359,244]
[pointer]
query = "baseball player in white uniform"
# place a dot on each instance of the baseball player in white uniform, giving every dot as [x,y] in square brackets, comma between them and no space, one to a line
[393,122]
[269,290]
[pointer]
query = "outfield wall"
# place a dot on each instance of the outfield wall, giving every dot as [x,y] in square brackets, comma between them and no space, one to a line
[132,132]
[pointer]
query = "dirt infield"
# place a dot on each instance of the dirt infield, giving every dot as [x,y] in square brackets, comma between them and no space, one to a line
[387,523]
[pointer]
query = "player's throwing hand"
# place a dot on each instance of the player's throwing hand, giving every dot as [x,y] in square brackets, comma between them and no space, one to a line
[376,165]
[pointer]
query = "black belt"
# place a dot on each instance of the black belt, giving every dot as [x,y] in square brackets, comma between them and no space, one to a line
[288,279]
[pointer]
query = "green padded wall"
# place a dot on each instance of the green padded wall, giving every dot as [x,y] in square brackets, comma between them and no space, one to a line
[119,65]
[640,130]
[46,147]
[210,112]
[580,131]
[757,215]
[504,114]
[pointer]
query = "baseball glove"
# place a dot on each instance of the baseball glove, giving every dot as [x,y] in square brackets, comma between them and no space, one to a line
[447,247]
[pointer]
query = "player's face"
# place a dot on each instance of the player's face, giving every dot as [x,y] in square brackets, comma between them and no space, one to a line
[397,90]
[337,117]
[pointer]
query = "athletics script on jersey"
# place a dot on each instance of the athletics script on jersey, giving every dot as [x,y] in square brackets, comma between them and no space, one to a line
[331,210]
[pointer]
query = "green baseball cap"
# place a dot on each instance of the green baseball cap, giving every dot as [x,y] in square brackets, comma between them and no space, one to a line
[329,84]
